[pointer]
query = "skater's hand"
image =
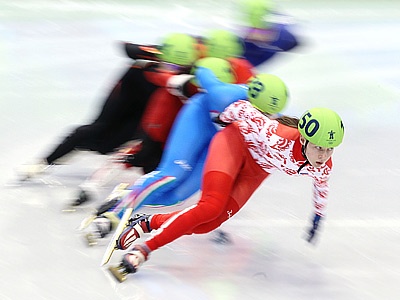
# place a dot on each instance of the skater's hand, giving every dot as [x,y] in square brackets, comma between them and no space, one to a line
[218,121]
[312,231]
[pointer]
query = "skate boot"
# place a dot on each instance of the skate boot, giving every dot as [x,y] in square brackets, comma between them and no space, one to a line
[104,208]
[82,198]
[137,226]
[88,194]
[32,170]
[130,263]
[101,227]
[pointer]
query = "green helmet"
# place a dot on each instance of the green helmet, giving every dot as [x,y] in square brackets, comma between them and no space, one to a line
[255,12]
[322,127]
[223,44]
[220,67]
[268,93]
[179,49]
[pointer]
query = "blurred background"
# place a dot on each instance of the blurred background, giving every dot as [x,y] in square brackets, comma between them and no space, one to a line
[59,59]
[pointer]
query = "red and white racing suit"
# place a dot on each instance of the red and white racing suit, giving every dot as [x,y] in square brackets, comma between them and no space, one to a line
[240,157]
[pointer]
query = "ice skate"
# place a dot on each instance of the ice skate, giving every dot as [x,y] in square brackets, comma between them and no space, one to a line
[137,226]
[104,208]
[85,196]
[82,198]
[100,227]
[30,171]
[130,262]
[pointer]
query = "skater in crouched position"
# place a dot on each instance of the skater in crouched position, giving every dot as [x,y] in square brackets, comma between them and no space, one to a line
[240,158]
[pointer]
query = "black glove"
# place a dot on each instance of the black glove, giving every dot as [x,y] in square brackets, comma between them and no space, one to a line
[218,121]
[311,233]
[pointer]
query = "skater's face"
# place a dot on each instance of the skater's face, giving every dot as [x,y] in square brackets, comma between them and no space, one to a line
[316,155]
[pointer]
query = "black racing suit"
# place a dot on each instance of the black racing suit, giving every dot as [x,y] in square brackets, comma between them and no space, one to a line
[119,118]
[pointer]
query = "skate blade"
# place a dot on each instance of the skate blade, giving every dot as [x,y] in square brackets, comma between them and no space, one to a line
[74,208]
[117,190]
[30,181]
[69,209]
[118,272]
[112,245]
[91,240]
[86,222]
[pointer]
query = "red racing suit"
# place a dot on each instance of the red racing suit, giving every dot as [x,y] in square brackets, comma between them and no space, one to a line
[240,157]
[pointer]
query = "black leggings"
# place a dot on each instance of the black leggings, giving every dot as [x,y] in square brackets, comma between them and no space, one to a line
[118,121]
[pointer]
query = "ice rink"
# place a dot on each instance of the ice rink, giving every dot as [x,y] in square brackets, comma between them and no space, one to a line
[59,58]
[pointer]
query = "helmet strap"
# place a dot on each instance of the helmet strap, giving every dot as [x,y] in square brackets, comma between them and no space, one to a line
[303,152]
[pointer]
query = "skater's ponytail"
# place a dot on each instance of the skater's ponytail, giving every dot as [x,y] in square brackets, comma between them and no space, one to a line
[288,121]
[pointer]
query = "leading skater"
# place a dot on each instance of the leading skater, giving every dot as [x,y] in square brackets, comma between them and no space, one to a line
[240,158]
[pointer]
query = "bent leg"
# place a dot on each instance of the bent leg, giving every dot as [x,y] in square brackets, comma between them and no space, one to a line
[83,137]
[226,154]
[210,207]
[229,171]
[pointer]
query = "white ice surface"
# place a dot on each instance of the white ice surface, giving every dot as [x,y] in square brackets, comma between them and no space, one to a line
[58,61]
